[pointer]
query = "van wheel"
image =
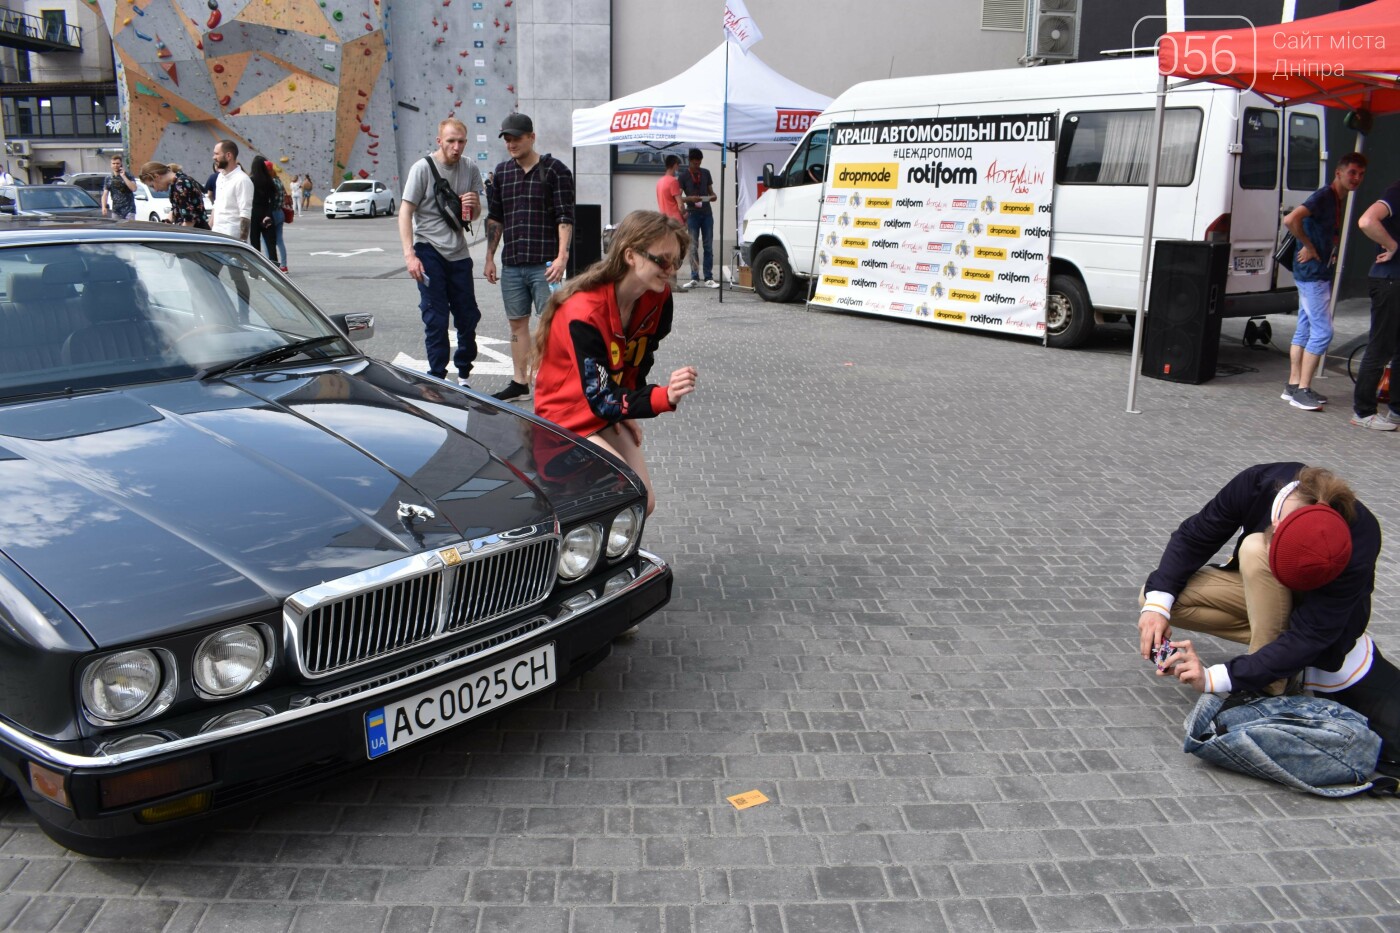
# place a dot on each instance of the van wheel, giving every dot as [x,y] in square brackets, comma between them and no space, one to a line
[154,218]
[772,275]
[1069,318]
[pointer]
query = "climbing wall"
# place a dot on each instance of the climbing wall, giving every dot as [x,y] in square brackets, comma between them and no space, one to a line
[337,88]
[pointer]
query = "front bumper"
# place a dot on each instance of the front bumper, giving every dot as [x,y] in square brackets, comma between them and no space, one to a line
[353,210]
[321,734]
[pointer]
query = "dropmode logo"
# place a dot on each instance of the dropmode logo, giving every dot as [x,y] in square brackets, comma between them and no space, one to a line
[866,175]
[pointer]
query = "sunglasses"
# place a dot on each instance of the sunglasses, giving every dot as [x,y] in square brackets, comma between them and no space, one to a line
[664,263]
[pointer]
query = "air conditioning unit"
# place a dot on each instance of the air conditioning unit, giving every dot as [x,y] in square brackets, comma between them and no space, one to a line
[1052,30]
[17,147]
[22,164]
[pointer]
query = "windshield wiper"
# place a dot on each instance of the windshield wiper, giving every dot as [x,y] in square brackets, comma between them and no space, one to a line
[273,355]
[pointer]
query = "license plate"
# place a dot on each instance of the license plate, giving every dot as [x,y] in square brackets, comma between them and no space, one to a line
[395,725]
[1249,263]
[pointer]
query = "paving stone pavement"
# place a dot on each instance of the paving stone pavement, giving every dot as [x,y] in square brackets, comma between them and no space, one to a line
[907,560]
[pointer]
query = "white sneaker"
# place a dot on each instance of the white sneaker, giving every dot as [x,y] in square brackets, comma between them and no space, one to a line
[1374,422]
[711,283]
[689,285]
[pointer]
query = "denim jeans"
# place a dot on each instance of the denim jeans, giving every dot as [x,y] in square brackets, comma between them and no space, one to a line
[523,287]
[1384,346]
[1314,331]
[445,294]
[701,226]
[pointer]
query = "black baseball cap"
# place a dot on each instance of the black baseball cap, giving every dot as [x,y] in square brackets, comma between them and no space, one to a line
[517,124]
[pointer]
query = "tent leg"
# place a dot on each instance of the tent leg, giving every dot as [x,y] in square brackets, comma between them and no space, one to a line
[1341,254]
[1143,265]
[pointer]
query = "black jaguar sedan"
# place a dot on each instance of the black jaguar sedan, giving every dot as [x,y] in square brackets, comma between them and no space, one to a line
[237,555]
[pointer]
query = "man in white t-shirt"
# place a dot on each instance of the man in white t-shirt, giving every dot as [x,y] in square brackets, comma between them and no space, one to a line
[233,196]
[435,248]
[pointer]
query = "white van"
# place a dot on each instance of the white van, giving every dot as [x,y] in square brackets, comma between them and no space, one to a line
[1231,165]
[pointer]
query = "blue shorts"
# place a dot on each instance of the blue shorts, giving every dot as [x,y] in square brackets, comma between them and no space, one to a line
[523,286]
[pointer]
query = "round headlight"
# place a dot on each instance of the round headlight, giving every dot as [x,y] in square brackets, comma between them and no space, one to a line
[230,661]
[579,550]
[623,533]
[121,685]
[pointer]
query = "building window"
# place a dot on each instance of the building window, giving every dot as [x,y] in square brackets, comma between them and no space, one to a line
[22,66]
[1005,15]
[76,116]
[55,25]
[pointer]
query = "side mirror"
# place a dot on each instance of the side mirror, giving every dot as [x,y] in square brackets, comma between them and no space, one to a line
[357,325]
[768,180]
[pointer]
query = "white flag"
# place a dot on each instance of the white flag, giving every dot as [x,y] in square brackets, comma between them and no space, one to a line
[739,25]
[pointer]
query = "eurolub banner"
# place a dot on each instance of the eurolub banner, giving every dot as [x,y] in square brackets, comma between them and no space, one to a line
[944,220]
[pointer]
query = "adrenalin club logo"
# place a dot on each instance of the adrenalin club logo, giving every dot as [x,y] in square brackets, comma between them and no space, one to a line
[646,118]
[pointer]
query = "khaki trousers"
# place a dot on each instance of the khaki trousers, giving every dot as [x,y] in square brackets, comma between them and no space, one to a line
[1248,605]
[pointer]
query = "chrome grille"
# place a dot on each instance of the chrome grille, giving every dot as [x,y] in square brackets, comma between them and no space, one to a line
[499,584]
[369,624]
[372,615]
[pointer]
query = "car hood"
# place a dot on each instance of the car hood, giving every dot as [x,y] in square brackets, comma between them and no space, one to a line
[147,510]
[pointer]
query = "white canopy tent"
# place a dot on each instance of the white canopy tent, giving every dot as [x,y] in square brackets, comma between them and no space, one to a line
[765,111]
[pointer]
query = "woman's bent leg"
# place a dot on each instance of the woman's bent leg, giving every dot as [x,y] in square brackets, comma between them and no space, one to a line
[618,442]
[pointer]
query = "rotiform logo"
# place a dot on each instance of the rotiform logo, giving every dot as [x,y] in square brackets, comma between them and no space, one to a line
[908,202]
[874,264]
[853,302]
[897,224]
[985,319]
[1035,232]
[864,283]
[884,244]
[1012,277]
[1027,255]
[999,300]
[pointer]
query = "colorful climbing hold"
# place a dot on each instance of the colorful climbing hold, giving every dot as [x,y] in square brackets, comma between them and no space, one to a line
[338,16]
[216,37]
[218,68]
[369,51]
[224,101]
[364,174]
[215,19]
[291,85]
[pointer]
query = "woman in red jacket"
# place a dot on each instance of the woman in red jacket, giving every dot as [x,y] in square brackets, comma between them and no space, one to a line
[598,335]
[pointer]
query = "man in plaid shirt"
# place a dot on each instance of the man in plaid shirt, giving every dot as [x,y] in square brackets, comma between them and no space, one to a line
[531,204]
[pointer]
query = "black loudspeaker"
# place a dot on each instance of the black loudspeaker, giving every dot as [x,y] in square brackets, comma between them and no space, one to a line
[1182,339]
[587,244]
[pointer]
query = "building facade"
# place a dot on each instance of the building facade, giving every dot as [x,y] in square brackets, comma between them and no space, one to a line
[58,90]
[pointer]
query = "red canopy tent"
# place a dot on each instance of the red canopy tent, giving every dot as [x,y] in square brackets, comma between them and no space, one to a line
[1348,60]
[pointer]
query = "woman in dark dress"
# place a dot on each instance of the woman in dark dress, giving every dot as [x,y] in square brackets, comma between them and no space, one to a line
[267,220]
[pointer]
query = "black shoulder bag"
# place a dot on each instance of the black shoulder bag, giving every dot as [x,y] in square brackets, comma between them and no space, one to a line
[447,200]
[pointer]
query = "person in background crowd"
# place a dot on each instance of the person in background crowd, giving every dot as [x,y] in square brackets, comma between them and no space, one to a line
[267,217]
[186,197]
[1297,591]
[698,190]
[117,191]
[1381,224]
[436,252]
[233,198]
[531,202]
[668,191]
[598,336]
[304,187]
[1316,223]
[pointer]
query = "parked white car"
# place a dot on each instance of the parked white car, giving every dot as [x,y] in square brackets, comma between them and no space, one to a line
[360,198]
[150,205]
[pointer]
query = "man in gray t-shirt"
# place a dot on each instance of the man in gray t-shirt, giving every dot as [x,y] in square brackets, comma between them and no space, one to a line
[435,249]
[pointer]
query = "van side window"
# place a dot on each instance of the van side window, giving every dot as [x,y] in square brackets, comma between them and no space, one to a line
[1259,149]
[1304,171]
[808,162]
[1113,147]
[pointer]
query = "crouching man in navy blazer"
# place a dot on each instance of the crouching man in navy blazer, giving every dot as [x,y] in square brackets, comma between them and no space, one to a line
[1297,591]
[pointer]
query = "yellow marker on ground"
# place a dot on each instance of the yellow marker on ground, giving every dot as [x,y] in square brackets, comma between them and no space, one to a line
[747,799]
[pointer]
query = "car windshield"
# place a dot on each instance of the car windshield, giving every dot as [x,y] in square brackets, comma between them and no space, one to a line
[90,316]
[53,198]
[353,186]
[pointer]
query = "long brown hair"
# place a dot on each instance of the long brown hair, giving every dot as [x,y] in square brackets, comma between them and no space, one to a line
[637,231]
[1319,485]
